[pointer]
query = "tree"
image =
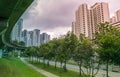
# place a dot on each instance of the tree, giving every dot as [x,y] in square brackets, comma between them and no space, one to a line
[55,46]
[60,56]
[107,42]
[22,43]
[32,53]
[50,53]
[83,52]
[1,43]
[69,44]
[66,49]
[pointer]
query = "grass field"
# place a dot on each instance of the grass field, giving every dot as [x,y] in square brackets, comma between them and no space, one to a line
[15,68]
[56,71]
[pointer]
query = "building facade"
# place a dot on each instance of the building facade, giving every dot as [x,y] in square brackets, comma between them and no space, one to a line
[118,15]
[44,38]
[25,37]
[99,13]
[31,37]
[87,20]
[81,26]
[17,31]
[115,20]
[73,27]
[36,37]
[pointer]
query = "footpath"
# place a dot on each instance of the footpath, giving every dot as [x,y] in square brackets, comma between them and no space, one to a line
[48,74]
[101,72]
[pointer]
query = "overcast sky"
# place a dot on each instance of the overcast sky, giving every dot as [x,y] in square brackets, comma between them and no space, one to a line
[55,16]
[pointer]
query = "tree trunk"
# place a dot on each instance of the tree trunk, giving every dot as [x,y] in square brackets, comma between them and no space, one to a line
[48,63]
[61,67]
[80,65]
[55,63]
[32,59]
[13,55]
[92,63]
[64,67]
[98,67]
[36,59]
[44,62]
[39,59]
[29,58]
[107,69]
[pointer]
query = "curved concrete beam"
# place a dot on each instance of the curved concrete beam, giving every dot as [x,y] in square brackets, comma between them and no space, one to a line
[13,11]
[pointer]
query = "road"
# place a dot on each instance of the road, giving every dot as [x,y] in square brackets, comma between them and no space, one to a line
[101,72]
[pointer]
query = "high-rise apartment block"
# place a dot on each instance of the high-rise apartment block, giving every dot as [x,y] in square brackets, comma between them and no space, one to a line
[17,31]
[30,38]
[115,20]
[81,26]
[87,20]
[118,15]
[101,12]
[25,37]
[36,37]
[44,38]
[73,27]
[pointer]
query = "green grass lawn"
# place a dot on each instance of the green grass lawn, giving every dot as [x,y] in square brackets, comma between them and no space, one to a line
[15,68]
[56,71]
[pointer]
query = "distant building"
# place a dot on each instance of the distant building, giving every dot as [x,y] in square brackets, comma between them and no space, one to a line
[113,19]
[87,20]
[99,13]
[31,37]
[25,37]
[28,39]
[116,24]
[118,15]
[17,31]
[73,27]
[36,37]
[44,38]
[81,26]
[116,18]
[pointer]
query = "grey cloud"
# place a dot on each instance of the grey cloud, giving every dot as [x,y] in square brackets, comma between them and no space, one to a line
[55,13]
[52,14]
[29,10]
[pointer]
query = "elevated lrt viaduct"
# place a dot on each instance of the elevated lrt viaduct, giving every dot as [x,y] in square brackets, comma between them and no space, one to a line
[10,12]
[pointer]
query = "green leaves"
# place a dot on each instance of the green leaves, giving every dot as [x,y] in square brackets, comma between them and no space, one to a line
[107,41]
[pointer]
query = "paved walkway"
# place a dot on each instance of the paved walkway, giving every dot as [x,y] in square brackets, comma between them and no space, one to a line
[48,74]
[101,73]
